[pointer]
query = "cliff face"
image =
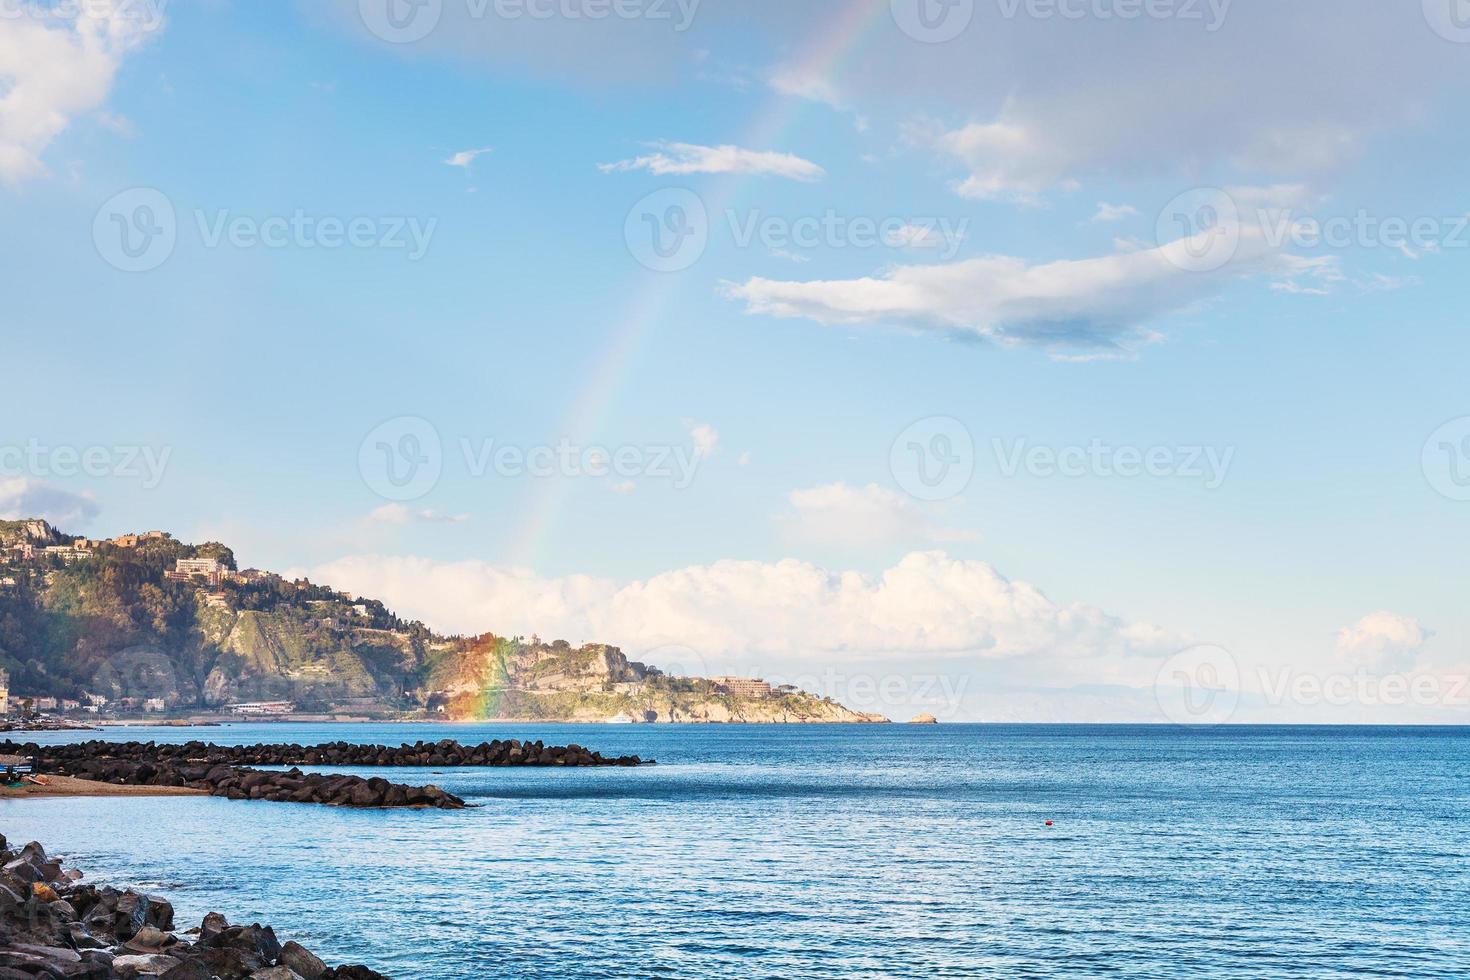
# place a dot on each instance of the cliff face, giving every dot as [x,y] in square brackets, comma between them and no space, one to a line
[493,678]
[115,620]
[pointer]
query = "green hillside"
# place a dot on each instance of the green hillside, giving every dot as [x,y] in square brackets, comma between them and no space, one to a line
[125,621]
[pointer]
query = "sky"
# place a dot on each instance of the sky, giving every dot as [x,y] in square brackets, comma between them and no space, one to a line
[1012,360]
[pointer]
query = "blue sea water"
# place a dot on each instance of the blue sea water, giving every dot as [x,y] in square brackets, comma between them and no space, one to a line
[834,851]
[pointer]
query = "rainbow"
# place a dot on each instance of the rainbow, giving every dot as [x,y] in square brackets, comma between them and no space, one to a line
[826,55]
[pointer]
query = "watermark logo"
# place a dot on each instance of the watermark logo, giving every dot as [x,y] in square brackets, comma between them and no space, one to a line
[573,460]
[677,660]
[400,21]
[1199,685]
[933,459]
[1199,231]
[1446,459]
[136,230]
[146,464]
[1450,19]
[832,229]
[668,230]
[141,15]
[932,21]
[402,459]
[137,674]
[1363,689]
[1207,464]
[1210,13]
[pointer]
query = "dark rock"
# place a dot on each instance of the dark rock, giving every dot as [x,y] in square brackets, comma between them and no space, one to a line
[302,961]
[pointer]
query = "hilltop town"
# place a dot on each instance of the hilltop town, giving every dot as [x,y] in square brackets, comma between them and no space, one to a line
[143,626]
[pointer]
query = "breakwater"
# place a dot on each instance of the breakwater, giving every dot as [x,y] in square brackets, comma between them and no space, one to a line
[442,754]
[226,771]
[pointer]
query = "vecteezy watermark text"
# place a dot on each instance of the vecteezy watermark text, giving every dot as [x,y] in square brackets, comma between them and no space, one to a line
[146,15]
[832,229]
[568,459]
[938,21]
[403,459]
[1363,688]
[146,464]
[670,230]
[1208,464]
[138,229]
[408,21]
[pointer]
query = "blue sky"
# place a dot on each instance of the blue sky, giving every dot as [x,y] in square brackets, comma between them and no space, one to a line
[995,245]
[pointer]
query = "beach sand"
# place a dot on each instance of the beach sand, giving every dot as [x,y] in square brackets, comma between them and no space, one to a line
[69,786]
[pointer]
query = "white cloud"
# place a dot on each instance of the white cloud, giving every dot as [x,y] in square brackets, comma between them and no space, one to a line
[743,459]
[1008,160]
[23,497]
[688,158]
[839,514]
[706,438]
[400,514]
[926,604]
[56,67]
[928,235]
[1101,302]
[1113,212]
[464,158]
[807,85]
[1383,640]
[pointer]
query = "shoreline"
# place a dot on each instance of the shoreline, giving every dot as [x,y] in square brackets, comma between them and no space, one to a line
[70,787]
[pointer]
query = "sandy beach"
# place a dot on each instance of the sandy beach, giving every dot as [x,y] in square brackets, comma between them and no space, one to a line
[70,786]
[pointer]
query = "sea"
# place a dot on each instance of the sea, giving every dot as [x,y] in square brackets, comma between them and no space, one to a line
[837,851]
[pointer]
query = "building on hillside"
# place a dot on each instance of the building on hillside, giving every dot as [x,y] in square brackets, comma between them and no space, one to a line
[743,687]
[154,704]
[261,708]
[210,570]
[199,566]
[4,693]
[44,704]
[126,541]
[67,553]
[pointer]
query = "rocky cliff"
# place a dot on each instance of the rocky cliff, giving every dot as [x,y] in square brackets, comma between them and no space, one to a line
[116,620]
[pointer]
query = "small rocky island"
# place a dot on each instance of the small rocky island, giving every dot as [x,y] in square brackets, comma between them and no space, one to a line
[53,926]
[226,770]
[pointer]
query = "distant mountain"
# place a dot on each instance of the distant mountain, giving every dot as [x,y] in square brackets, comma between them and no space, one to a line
[145,620]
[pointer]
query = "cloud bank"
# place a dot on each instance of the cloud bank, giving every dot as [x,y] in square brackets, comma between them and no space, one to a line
[928,604]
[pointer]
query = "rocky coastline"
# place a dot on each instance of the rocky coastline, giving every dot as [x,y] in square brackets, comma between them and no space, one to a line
[226,770]
[53,926]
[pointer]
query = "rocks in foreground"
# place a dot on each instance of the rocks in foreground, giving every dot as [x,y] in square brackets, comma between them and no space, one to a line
[443,754]
[52,926]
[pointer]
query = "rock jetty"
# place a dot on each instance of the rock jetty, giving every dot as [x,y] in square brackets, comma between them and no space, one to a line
[225,770]
[440,755]
[52,926]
